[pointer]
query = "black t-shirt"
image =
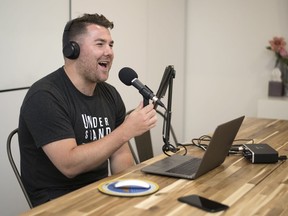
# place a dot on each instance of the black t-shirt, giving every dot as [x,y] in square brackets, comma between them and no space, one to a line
[54,109]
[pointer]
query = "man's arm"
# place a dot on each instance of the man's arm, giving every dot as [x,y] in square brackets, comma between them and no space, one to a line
[121,159]
[72,159]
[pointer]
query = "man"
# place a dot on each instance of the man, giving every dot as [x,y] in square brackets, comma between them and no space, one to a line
[72,122]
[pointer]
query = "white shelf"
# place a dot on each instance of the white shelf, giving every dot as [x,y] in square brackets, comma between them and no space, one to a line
[273,107]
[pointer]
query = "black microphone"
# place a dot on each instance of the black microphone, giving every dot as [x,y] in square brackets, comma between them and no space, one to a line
[129,77]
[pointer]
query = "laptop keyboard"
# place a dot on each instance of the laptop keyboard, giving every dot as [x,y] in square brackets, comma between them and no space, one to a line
[187,168]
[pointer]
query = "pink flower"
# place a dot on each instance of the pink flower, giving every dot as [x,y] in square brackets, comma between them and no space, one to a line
[283,52]
[278,44]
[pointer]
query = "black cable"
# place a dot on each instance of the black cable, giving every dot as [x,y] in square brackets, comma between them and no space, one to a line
[184,147]
[173,149]
[282,158]
[204,140]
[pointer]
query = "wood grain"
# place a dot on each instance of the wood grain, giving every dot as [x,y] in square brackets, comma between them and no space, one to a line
[249,189]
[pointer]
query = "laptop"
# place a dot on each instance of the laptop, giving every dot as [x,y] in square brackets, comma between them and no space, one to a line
[190,167]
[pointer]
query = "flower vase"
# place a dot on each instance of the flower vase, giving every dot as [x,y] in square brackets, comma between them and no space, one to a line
[284,76]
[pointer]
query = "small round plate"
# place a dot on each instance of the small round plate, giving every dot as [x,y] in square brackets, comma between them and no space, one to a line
[109,188]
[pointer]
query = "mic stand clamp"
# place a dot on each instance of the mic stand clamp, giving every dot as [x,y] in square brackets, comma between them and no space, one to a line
[145,101]
[168,147]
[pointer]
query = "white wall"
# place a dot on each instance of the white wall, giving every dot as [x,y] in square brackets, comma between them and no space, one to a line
[227,65]
[30,43]
[12,199]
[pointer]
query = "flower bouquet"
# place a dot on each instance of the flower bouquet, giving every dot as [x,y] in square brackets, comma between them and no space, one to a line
[278,46]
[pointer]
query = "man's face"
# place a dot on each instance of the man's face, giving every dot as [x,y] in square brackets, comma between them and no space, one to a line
[96,54]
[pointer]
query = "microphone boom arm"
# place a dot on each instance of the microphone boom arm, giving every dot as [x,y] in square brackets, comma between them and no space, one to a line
[166,134]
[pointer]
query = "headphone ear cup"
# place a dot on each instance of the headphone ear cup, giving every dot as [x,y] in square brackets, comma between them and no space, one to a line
[71,50]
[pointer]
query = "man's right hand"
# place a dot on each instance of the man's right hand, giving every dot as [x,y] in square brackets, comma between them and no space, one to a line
[140,120]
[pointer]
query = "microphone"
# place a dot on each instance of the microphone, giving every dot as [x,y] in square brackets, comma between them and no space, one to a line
[129,77]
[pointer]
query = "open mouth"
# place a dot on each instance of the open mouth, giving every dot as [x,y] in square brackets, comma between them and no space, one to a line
[103,64]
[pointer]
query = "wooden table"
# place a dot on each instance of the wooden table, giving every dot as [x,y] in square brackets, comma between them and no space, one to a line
[249,189]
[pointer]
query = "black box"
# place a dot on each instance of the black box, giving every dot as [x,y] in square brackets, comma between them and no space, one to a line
[260,153]
[275,89]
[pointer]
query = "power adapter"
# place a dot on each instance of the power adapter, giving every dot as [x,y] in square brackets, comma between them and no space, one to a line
[260,153]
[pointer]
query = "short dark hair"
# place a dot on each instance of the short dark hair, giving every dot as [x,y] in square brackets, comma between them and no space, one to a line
[78,25]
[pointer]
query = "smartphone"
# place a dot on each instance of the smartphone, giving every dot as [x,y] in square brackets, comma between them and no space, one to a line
[203,203]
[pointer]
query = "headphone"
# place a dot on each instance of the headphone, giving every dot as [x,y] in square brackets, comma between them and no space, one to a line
[71,49]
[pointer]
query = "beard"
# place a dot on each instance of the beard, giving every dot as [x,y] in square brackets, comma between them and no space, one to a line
[92,72]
